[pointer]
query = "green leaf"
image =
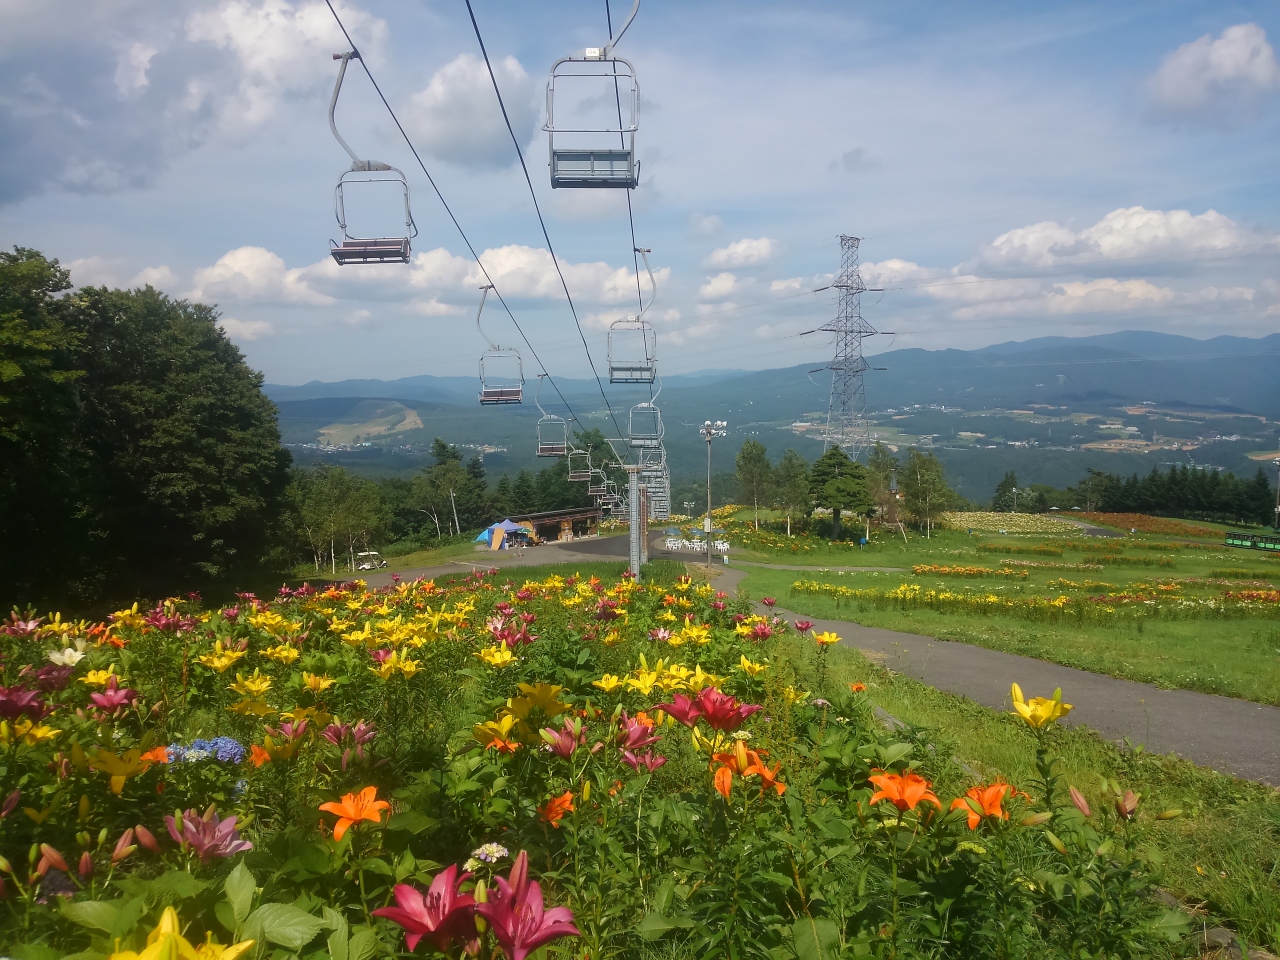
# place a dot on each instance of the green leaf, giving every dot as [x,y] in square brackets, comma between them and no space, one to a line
[338,939]
[226,916]
[35,951]
[1172,925]
[815,938]
[655,926]
[374,865]
[92,913]
[363,945]
[240,887]
[411,821]
[283,924]
[175,885]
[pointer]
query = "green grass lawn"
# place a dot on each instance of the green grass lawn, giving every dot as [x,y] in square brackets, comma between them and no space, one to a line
[1237,658]
[1223,852]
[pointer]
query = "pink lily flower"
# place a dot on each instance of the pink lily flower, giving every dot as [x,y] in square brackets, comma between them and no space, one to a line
[209,836]
[114,697]
[632,734]
[516,915]
[721,711]
[682,708]
[440,915]
[565,741]
[649,760]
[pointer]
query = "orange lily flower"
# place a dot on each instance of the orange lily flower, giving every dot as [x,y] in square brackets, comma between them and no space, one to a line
[857,687]
[354,807]
[904,791]
[156,755]
[258,756]
[768,778]
[739,760]
[555,809]
[983,801]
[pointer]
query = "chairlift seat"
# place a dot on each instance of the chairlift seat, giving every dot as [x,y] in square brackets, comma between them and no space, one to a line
[594,168]
[385,250]
[492,395]
[642,372]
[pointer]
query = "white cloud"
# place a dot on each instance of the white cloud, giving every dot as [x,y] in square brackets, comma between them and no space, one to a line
[96,271]
[162,278]
[1122,234]
[786,286]
[253,274]
[458,118]
[744,253]
[245,330]
[705,224]
[718,287]
[433,308]
[1219,81]
[131,71]
[282,48]
[892,271]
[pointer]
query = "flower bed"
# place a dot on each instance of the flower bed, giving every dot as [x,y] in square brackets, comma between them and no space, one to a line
[988,522]
[354,773]
[1102,609]
[930,569]
[1145,524]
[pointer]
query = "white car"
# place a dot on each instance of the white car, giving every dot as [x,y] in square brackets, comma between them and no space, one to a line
[370,560]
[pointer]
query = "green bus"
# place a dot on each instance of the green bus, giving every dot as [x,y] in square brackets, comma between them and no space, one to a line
[1254,541]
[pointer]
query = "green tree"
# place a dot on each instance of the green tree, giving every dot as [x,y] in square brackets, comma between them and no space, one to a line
[924,488]
[755,475]
[337,513]
[167,470]
[791,487]
[849,495]
[882,466]
[1006,495]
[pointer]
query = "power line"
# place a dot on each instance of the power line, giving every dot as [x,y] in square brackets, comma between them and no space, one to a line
[444,203]
[538,210]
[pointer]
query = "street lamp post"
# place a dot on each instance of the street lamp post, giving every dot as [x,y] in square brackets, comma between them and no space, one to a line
[1277,517]
[709,432]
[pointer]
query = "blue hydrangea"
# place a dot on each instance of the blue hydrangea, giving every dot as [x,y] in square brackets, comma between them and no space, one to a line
[222,749]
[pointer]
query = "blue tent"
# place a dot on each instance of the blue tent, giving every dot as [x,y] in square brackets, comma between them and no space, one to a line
[486,535]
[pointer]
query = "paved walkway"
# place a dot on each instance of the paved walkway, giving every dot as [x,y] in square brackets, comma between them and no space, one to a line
[1232,736]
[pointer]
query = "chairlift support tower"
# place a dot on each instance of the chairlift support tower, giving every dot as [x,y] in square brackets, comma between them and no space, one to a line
[847,424]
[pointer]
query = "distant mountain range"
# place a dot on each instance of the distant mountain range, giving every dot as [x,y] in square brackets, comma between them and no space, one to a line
[1223,376]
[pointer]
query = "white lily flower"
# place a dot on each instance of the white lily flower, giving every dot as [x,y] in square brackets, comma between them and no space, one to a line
[66,658]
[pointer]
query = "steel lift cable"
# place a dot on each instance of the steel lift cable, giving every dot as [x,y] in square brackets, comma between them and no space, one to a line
[538,210]
[447,209]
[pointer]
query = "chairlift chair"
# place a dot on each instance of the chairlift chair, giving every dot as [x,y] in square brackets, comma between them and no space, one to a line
[597,484]
[645,425]
[553,432]
[633,342]
[579,465]
[501,369]
[595,153]
[360,249]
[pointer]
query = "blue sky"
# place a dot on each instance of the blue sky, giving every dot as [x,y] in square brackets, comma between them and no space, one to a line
[1016,170]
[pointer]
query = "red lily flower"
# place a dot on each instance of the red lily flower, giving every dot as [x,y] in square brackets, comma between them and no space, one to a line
[682,708]
[721,711]
[515,912]
[440,915]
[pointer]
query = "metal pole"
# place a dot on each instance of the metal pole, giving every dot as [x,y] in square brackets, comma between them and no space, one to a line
[1277,521]
[707,525]
[644,523]
[633,517]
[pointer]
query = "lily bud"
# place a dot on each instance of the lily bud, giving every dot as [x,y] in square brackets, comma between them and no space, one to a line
[1036,819]
[5,865]
[1169,815]
[85,868]
[147,838]
[586,791]
[1080,802]
[10,802]
[83,838]
[1127,805]
[54,857]
[1056,843]
[102,836]
[124,846]
[83,810]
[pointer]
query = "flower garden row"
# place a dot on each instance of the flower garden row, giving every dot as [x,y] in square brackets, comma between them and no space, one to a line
[1143,601]
[354,773]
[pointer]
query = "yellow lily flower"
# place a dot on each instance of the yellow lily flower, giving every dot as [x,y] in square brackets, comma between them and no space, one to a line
[826,638]
[543,696]
[611,638]
[166,942]
[608,683]
[358,637]
[666,616]
[500,729]
[129,617]
[794,696]
[697,633]
[752,669]
[252,707]
[698,680]
[718,743]
[1039,712]
[99,678]
[284,653]
[497,656]
[25,731]
[409,667]
[220,659]
[119,768]
[317,716]
[253,686]
[317,683]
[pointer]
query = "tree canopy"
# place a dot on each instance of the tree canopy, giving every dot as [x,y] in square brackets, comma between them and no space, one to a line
[138,453]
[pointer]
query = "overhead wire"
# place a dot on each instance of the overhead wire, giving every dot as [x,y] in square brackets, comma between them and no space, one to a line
[538,210]
[449,210]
